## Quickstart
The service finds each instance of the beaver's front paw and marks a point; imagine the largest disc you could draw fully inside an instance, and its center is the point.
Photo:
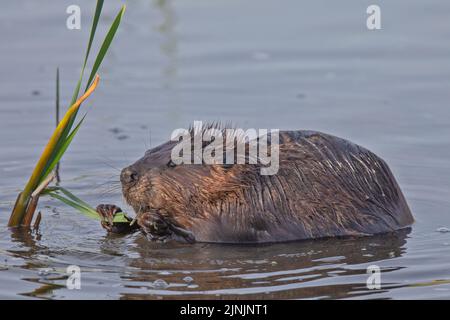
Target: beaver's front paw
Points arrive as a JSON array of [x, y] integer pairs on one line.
[[156, 228], [107, 213], [159, 228]]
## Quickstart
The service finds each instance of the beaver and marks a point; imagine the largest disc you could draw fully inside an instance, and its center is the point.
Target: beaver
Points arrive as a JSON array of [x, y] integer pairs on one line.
[[325, 187]]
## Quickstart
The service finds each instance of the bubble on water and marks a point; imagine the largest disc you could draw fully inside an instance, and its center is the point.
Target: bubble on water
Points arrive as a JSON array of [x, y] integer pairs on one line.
[[164, 273], [160, 284], [44, 272], [192, 286], [443, 230], [188, 279]]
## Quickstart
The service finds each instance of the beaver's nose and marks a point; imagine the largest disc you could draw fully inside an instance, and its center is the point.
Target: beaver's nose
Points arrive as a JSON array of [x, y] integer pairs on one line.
[[128, 176]]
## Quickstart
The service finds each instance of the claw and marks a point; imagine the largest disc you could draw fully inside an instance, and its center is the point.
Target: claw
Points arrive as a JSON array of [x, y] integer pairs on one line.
[[153, 224], [107, 213], [159, 228]]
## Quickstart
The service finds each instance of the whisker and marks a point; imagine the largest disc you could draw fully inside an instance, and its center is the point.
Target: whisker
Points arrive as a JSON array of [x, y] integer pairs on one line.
[[108, 183], [108, 164], [108, 191], [150, 138], [108, 186]]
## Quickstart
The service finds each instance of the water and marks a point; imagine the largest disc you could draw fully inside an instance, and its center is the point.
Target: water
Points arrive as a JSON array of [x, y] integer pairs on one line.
[[264, 64]]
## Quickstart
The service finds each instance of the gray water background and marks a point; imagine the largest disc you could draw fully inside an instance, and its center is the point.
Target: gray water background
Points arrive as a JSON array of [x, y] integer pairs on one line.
[[258, 63]]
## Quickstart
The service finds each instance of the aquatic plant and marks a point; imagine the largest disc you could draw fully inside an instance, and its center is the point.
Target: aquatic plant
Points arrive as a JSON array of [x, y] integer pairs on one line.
[[70, 199], [43, 173]]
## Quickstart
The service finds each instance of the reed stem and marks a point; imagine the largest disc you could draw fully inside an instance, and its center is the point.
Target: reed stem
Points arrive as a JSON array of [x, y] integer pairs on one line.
[[38, 174], [57, 105]]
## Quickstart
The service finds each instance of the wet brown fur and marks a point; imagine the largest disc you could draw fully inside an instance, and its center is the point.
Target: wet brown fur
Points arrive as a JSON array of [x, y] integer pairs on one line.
[[325, 187]]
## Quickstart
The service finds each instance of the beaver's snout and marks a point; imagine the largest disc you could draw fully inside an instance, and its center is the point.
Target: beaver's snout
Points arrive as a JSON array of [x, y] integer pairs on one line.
[[137, 187], [129, 176]]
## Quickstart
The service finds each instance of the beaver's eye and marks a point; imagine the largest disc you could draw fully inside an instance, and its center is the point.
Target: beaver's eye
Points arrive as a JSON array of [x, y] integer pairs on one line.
[[171, 164]]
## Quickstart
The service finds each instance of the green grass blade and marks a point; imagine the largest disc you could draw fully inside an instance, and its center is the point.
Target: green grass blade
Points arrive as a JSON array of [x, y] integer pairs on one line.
[[61, 149], [57, 106], [57, 111], [87, 212], [64, 136], [67, 136], [78, 204], [39, 170], [71, 196], [100, 56], [105, 45], [98, 11]]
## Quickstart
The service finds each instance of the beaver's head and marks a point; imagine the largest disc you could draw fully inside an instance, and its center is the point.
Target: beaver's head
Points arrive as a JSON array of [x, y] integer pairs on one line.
[[154, 183]]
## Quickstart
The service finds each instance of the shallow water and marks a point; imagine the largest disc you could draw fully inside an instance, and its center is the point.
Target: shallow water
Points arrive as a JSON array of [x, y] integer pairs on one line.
[[263, 64]]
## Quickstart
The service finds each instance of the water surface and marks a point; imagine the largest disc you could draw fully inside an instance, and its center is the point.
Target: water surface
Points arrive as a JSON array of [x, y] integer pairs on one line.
[[258, 63]]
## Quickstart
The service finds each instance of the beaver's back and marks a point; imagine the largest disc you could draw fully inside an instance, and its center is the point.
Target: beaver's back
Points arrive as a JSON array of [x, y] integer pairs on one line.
[[326, 186], [335, 188]]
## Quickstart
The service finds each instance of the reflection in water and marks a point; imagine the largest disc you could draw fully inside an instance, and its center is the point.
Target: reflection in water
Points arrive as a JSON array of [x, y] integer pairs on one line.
[[290, 270], [205, 62], [329, 268], [26, 244], [169, 45], [27, 247], [169, 49]]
